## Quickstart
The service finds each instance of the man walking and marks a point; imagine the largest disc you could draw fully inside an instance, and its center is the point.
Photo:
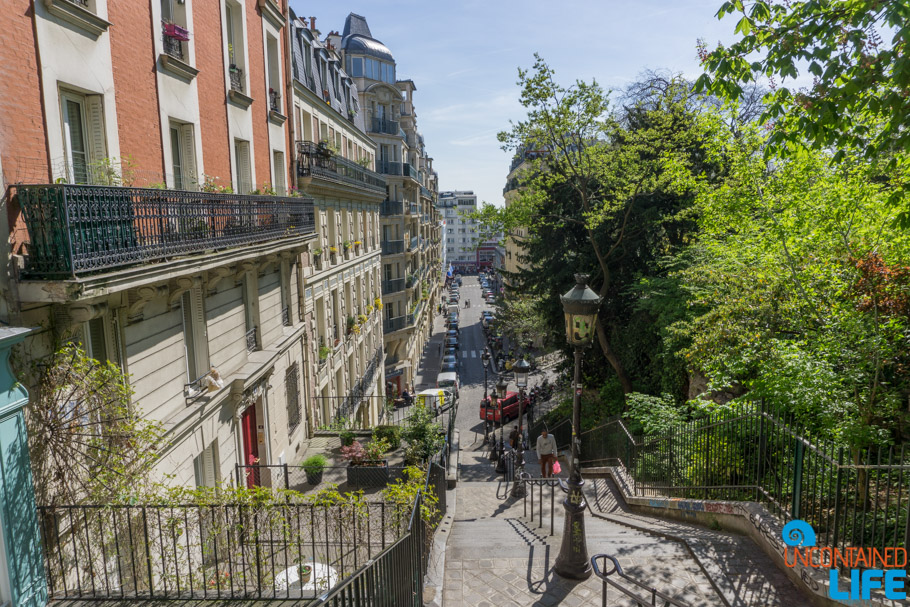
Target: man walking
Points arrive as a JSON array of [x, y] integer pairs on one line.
[[546, 453]]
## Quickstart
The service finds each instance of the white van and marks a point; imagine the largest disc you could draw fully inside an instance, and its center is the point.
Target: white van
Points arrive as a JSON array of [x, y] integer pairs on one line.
[[448, 380]]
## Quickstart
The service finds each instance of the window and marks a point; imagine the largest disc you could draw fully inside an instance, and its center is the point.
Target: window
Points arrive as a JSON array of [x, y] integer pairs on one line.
[[236, 48], [183, 156], [195, 336], [278, 167], [292, 394], [285, 284], [102, 339], [243, 176], [355, 67], [83, 134], [206, 466]]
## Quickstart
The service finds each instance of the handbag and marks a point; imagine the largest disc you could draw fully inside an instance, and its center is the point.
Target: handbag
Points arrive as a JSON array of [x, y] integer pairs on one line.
[[556, 468]]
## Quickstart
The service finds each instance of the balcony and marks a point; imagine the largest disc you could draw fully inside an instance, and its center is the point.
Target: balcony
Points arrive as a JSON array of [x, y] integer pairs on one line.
[[391, 207], [173, 46], [392, 247], [410, 171], [236, 76], [414, 316], [274, 101], [412, 245], [317, 161], [389, 168], [80, 229], [414, 208], [393, 286], [252, 343], [394, 324], [426, 193], [385, 127]]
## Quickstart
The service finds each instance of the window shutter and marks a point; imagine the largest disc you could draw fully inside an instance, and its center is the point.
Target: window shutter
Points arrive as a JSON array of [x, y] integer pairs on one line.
[[208, 466], [188, 145], [116, 354], [186, 306], [95, 112], [200, 333], [97, 345], [243, 171]]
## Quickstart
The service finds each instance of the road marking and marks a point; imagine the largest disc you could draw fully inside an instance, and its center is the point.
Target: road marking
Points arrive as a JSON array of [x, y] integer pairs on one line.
[[473, 353], [464, 354]]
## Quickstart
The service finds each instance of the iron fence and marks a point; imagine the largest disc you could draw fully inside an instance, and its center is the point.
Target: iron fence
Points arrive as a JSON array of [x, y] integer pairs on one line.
[[382, 125], [217, 551], [173, 47], [609, 571], [274, 101], [252, 343], [78, 229], [236, 77], [858, 497], [314, 160], [295, 477]]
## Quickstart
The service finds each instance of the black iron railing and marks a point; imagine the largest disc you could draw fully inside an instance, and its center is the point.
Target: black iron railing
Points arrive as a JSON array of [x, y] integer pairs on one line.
[[392, 207], [747, 453], [409, 171], [393, 286], [252, 344], [387, 167], [173, 47], [314, 160], [82, 3], [609, 571], [394, 324], [381, 125], [392, 247], [274, 100], [79, 229], [236, 77]]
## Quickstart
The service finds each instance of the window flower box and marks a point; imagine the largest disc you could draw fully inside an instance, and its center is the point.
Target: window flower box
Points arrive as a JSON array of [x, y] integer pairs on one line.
[[172, 30]]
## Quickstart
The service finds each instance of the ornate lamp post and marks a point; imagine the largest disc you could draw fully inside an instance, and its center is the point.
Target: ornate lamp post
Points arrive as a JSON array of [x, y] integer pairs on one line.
[[522, 369], [580, 306], [502, 387], [491, 404]]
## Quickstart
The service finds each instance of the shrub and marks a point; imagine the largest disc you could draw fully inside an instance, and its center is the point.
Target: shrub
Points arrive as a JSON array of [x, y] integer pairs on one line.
[[347, 437], [315, 464], [390, 434]]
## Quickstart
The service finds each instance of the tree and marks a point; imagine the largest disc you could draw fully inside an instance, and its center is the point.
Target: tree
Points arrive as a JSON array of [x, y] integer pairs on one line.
[[860, 95], [87, 443], [595, 198]]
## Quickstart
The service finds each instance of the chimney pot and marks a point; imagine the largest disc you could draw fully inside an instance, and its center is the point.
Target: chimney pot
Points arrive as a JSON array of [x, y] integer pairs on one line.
[[312, 23]]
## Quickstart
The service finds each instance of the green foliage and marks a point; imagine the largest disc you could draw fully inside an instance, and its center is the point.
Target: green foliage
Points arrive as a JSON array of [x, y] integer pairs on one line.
[[390, 434], [347, 437], [314, 464], [87, 443], [403, 494], [423, 435], [655, 414]]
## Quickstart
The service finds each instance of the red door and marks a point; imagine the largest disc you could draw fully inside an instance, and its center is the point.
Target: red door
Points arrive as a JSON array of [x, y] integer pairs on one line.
[[250, 445]]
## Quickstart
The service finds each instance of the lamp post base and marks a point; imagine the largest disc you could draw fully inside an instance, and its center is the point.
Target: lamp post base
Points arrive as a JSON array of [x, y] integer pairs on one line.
[[573, 562]]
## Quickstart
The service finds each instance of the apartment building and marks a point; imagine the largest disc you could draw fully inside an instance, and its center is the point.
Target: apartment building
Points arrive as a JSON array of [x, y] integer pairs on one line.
[[145, 163], [518, 169], [468, 247], [409, 223], [335, 165]]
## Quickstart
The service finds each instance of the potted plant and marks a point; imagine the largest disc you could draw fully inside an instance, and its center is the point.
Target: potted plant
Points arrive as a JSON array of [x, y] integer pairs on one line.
[[324, 352], [305, 572], [350, 324], [333, 250], [369, 309], [313, 466], [346, 244], [347, 438], [378, 303], [366, 467]]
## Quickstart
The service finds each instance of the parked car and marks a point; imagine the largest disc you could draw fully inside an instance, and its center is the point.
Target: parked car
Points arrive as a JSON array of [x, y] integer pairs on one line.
[[452, 333], [449, 359], [451, 342], [448, 368], [509, 408], [448, 380]]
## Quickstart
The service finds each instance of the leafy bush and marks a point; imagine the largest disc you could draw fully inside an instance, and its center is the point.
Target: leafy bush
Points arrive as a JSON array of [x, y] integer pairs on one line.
[[347, 437], [315, 464], [422, 434], [391, 434]]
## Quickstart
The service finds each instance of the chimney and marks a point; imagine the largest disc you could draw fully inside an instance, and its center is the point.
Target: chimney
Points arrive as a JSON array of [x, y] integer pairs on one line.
[[313, 23]]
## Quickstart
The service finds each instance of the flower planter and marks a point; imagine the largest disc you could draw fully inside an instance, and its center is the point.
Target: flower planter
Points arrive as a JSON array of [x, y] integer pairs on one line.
[[313, 478], [172, 30], [305, 572], [375, 474]]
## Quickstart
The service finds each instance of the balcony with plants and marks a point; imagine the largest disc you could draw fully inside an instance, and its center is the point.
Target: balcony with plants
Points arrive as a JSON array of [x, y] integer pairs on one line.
[[319, 162], [80, 230]]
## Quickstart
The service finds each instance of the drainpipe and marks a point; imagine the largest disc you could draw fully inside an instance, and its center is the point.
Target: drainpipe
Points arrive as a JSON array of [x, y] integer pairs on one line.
[[289, 92]]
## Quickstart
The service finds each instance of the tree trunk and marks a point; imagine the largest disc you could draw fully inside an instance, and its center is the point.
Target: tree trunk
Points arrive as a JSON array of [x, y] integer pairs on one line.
[[624, 380]]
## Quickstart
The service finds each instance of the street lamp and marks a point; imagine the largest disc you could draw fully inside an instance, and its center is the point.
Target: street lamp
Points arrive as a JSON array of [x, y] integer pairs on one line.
[[501, 386], [580, 306], [521, 369], [485, 357], [491, 404]]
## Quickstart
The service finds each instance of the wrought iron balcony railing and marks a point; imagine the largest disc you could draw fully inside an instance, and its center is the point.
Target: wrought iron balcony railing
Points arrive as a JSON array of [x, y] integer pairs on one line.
[[391, 207], [286, 316], [394, 324], [384, 126], [410, 171], [392, 247], [389, 168], [173, 47], [393, 286], [426, 193], [414, 208], [314, 160], [412, 245], [274, 100], [236, 76], [80, 229], [252, 344]]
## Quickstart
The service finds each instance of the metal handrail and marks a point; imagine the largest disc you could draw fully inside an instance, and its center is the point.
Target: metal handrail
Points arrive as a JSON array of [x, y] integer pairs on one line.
[[616, 570], [315, 160]]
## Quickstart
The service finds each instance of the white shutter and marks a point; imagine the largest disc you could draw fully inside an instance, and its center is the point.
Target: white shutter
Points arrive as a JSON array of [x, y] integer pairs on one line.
[[244, 175], [188, 151], [186, 306], [200, 332], [95, 119]]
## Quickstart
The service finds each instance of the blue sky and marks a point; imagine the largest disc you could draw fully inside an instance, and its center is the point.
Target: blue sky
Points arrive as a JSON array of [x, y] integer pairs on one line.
[[463, 56]]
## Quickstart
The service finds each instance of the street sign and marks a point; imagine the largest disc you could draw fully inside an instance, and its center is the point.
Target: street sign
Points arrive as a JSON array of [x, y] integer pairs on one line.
[[578, 391]]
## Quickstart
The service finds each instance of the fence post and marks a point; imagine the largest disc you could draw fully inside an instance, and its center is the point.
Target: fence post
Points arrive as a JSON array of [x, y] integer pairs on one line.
[[837, 490], [287, 483], [797, 479]]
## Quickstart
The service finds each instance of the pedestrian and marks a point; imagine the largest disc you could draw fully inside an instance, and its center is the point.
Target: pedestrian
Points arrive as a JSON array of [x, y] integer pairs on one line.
[[513, 437], [546, 453]]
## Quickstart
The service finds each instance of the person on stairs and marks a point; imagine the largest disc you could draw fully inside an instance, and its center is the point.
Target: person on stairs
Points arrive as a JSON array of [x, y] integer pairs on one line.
[[546, 453]]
